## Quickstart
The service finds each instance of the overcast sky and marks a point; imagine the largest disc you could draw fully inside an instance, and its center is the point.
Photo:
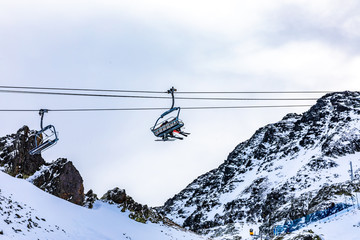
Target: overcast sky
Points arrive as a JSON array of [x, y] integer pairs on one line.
[[153, 45]]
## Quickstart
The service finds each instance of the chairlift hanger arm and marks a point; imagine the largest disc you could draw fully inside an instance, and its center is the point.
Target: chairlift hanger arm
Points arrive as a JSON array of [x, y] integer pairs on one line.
[[172, 90], [169, 111], [41, 113]]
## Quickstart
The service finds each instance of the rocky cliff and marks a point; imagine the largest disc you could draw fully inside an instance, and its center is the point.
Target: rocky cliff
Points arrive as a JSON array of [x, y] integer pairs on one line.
[[284, 171], [14, 154], [59, 178]]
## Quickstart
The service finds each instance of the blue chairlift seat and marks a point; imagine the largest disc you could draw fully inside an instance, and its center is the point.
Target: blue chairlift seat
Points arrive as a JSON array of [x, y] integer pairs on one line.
[[44, 139], [166, 127]]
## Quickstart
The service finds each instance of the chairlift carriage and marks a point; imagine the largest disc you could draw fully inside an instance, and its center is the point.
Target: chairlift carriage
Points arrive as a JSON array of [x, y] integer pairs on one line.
[[45, 138], [169, 128]]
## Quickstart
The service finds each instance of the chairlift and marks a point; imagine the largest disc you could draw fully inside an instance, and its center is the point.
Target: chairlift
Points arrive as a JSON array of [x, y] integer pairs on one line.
[[45, 138], [169, 129]]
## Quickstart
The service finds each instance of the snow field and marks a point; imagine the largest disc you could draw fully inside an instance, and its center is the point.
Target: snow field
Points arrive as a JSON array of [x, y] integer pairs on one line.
[[57, 219]]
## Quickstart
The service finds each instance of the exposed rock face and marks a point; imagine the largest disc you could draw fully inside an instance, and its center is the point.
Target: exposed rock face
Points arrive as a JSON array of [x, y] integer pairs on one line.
[[59, 178], [115, 195], [309, 235], [14, 154], [90, 198], [284, 171], [138, 212]]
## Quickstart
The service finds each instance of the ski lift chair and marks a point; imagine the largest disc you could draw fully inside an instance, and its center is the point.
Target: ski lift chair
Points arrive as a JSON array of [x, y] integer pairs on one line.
[[45, 138], [165, 129]]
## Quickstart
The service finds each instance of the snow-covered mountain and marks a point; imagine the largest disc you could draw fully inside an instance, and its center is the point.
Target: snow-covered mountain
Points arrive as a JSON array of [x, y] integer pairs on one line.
[[285, 171], [27, 212]]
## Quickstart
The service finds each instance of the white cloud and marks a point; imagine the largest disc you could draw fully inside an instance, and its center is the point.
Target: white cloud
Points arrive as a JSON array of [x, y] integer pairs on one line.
[[352, 27], [305, 64]]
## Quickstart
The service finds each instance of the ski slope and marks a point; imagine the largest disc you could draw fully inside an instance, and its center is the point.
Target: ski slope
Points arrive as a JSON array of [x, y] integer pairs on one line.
[[345, 225], [27, 212]]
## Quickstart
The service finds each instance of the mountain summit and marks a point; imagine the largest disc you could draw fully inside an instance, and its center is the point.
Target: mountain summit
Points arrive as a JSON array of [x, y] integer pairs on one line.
[[286, 170]]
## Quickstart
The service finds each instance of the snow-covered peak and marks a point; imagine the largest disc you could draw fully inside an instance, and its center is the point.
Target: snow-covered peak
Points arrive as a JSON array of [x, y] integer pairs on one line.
[[280, 173]]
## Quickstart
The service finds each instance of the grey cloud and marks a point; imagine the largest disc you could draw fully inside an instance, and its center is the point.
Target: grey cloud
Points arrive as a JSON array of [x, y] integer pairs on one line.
[[295, 23]]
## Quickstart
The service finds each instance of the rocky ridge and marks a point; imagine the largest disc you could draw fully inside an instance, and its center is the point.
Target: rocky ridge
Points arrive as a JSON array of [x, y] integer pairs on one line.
[[62, 179], [286, 170], [59, 178], [138, 212]]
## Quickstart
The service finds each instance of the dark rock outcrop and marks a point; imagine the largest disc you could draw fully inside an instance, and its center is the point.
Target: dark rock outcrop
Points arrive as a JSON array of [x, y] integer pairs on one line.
[[59, 178], [14, 154], [90, 198], [116, 195], [309, 235], [138, 212]]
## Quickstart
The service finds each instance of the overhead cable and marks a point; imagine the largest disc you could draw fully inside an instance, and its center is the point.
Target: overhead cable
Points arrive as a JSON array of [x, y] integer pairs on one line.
[[155, 97], [147, 91], [149, 109], [255, 92], [82, 89]]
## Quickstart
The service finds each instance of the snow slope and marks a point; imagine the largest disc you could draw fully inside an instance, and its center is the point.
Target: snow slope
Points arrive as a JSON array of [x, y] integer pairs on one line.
[[345, 226], [27, 212]]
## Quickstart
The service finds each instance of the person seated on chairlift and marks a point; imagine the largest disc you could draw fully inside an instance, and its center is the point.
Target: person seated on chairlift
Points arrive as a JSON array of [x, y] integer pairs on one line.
[[163, 124], [179, 131], [39, 139]]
